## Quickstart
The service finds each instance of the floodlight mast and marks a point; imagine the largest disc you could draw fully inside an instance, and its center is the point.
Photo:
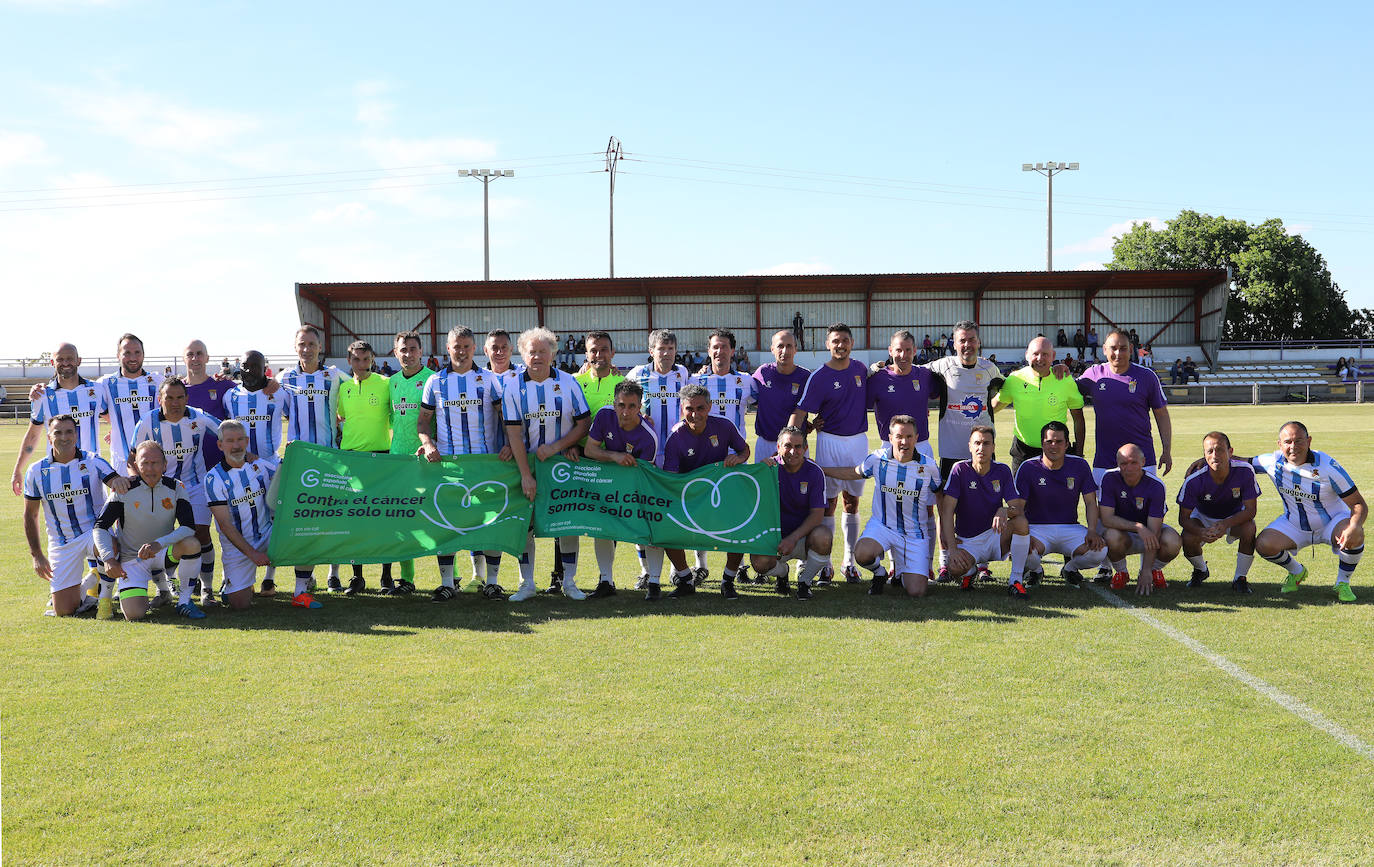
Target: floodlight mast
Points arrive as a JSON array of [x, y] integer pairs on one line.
[[1049, 170], [486, 176], [614, 154]]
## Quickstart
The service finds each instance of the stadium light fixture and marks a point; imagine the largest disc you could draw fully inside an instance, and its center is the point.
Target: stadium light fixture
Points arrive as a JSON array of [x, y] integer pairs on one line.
[[486, 176], [1049, 170]]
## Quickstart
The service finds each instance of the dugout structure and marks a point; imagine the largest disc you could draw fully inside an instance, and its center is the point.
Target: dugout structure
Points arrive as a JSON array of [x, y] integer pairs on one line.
[[1167, 308]]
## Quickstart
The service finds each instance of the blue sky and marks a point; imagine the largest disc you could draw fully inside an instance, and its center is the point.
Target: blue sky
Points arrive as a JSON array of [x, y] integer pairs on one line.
[[193, 160]]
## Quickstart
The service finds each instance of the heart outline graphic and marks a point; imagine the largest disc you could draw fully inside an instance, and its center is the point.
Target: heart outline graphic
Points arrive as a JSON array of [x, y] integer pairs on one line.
[[465, 503], [718, 535]]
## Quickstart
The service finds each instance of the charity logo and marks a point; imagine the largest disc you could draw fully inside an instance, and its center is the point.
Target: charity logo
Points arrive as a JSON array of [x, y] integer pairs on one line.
[[561, 473], [310, 478], [740, 490], [460, 508]]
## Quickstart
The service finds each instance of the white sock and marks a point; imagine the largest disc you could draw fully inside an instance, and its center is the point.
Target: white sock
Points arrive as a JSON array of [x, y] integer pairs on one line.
[[479, 563], [107, 585], [270, 574], [605, 558], [828, 522], [701, 559], [1033, 561], [1020, 550], [89, 582], [303, 577], [944, 558], [780, 570], [188, 568], [493, 559], [851, 536], [334, 571], [814, 564], [653, 563], [570, 545], [163, 583], [527, 563], [1119, 565], [1243, 562]]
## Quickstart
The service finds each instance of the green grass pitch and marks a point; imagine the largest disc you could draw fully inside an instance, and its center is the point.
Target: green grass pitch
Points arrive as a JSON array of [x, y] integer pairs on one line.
[[962, 728]]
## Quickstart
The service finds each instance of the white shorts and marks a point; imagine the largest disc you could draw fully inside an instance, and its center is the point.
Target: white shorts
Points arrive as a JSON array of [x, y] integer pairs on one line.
[[1205, 521], [68, 561], [1060, 538], [764, 449], [239, 572], [1323, 535], [200, 506], [137, 573], [910, 554], [838, 451], [1100, 472], [986, 547]]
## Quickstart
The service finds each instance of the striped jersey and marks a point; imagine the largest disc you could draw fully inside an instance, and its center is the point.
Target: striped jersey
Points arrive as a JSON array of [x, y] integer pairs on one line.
[[70, 493], [503, 380], [244, 490], [261, 414], [545, 410], [731, 395], [309, 402], [662, 406], [127, 399], [467, 410], [901, 491], [180, 441], [1312, 492], [85, 403]]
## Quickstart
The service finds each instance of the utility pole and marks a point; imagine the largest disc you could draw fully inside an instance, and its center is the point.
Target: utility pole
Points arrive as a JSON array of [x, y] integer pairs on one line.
[[1049, 170], [486, 176], [614, 154]]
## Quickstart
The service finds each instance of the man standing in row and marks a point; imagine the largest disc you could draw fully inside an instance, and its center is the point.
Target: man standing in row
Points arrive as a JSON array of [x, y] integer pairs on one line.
[[364, 409], [1040, 397], [662, 379], [778, 387], [406, 388]]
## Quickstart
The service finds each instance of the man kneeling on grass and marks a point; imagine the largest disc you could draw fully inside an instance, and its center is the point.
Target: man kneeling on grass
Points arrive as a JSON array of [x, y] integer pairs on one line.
[[801, 496], [905, 483], [982, 516], [1131, 507], [137, 526]]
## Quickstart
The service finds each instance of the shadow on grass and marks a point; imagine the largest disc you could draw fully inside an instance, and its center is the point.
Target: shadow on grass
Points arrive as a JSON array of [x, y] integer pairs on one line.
[[386, 616]]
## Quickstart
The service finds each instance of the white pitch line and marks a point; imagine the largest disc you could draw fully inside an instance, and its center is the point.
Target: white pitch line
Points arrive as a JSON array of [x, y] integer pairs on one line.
[[1289, 703]]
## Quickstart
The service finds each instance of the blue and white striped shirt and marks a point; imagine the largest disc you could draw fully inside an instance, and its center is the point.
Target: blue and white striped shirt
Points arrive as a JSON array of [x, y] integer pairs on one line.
[[901, 491], [71, 493], [127, 399], [261, 414], [244, 490], [467, 410], [85, 403], [731, 396], [180, 441], [309, 403], [662, 406], [545, 410], [1312, 492]]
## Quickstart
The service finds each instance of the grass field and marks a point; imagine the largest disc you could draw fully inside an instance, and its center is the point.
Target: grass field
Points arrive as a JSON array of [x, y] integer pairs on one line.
[[962, 728]]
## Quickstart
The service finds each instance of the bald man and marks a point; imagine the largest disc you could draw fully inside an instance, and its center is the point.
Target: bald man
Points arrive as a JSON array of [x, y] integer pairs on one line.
[[1040, 397], [67, 393], [1131, 507]]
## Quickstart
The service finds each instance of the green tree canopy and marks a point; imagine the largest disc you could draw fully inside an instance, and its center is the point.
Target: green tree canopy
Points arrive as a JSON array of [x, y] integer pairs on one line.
[[1282, 287]]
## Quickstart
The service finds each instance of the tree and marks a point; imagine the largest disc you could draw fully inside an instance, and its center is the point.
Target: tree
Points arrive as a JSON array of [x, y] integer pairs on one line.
[[1282, 287]]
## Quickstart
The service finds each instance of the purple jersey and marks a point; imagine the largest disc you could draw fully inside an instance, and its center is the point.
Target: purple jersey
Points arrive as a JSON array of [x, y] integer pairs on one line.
[[686, 451], [1052, 495], [978, 497], [839, 397], [1121, 409], [209, 397], [775, 398], [1139, 502], [639, 442], [1219, 499], [891, 393], [799, 493]]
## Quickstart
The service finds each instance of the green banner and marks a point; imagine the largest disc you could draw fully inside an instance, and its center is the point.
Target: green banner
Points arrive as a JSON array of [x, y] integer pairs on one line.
[[713, 508], [358, 507]]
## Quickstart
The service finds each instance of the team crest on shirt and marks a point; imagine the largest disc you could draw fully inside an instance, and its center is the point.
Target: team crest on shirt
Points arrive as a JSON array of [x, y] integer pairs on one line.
[[629, 448], [997, 486], [150, 379], [767, 383], [1140, 502], [166, 502], [82, 468], [195, 425], [796, 387], [916, 384], [803, 486], [858, 380], [1071, 482], [715, 441], [1130, 386], [214, 394], [1235, 493], [557, 389], [90, 392]]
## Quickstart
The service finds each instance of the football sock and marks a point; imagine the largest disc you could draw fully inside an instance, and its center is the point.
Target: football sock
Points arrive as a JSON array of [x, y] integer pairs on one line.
[[162, 581], [188, 568], [653, 563], [527, 563], [876, 567], [479, 564], [408, 571], [1033, 562], [569, 545], [270, 574], [1120, 565], [1020, 550], [446, 569], [1243, 562], [107, 585], [605, 558], [728, 575], [334, 571], [701, 559], [207, 568], [386, 571], [814, 564], [851, 536], [1200, 562], [493, 559], [303, 581], [1349, 560], [1287, 561]]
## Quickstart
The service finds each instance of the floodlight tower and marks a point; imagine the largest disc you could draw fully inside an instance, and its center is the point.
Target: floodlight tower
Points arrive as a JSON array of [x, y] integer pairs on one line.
[[614, 154], [486, 176], [1049, 170]]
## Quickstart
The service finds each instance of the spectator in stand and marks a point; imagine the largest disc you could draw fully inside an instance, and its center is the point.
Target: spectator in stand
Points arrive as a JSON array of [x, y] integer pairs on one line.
[[1061, 339], [1079, 342], [1135, 340], [1147, 356], [742, 361], [1176, 376], [949, 345], [1092, 342], [1190, 371], [797, 323]]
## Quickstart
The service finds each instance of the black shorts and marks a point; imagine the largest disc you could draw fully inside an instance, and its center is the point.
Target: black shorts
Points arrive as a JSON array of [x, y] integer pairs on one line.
[[1020, 453]]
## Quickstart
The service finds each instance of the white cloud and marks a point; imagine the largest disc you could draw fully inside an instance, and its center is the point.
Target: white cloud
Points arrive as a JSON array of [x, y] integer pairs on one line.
[[1088, 266], [22, 148], [394, 152], [793, 268], [149, 120], [373, 111], [1102, 243], [1297, 228]]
